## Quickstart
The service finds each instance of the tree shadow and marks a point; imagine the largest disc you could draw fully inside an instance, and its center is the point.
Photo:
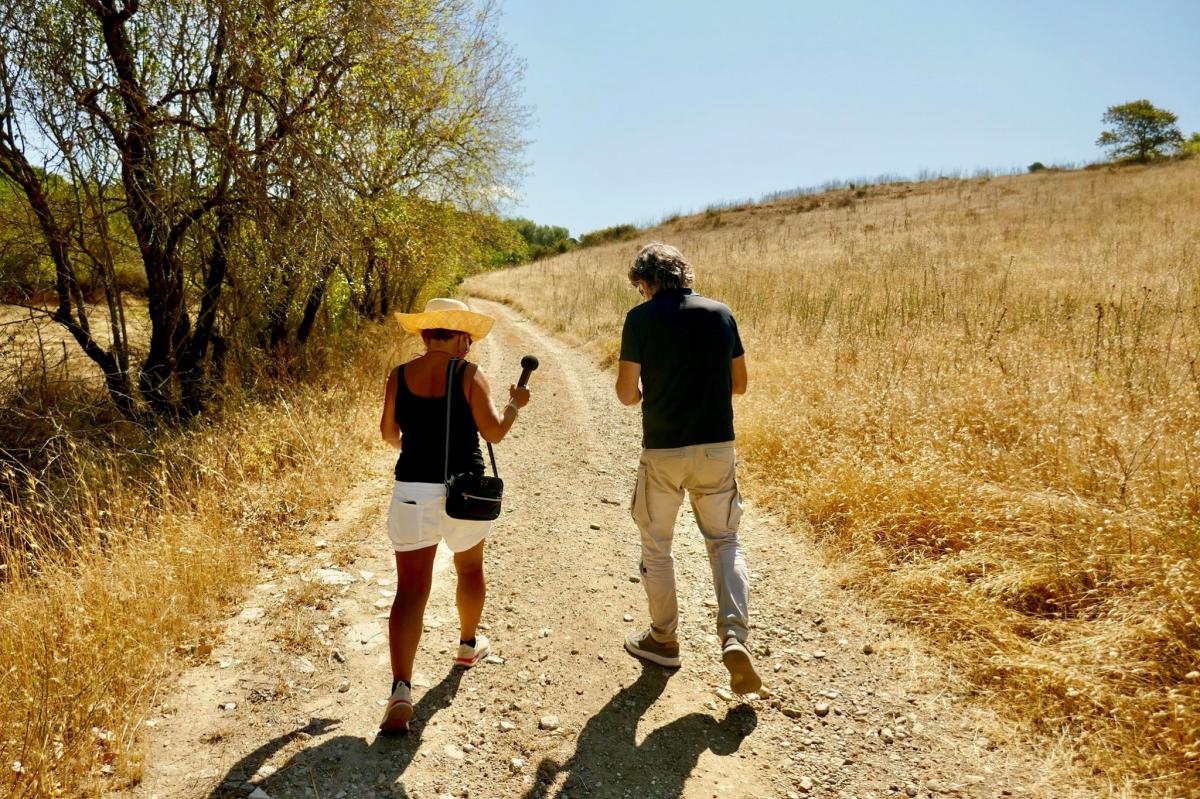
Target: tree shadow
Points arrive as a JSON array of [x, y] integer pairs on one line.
[[608, 761], [340, 763]]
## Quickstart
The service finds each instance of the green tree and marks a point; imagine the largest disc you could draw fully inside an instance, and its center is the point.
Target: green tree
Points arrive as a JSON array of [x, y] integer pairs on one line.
[[541, 241], [256, 157], [1192, 145], [1140, 131], [534, 233]]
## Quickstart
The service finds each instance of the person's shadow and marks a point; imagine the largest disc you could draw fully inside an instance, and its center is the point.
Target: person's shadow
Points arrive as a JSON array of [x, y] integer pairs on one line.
[[340, 762], [609, 762]]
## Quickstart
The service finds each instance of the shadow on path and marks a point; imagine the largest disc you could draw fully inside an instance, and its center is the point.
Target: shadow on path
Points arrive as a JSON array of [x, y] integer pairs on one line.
[[342, 763], [608, 761]]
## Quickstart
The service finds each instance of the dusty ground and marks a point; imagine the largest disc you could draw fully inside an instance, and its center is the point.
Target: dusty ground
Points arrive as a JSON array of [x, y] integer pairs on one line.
[[34, 348], [288, 702]]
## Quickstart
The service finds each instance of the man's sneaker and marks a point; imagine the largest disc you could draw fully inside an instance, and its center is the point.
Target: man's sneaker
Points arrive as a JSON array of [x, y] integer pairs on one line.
[[743, 679], [468, 655], [644, 646], [399, 710]]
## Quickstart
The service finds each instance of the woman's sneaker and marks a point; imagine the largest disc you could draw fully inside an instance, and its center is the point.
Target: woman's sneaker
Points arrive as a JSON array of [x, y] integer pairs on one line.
[[743, 679], [399, 710], [644, 646], [469, 655]]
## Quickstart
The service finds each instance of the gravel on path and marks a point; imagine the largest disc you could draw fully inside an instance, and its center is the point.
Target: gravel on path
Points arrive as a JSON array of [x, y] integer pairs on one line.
[[289, 703]]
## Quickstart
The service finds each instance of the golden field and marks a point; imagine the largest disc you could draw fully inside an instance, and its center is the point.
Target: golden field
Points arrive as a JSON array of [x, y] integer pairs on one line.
[[982, 397], [115, 570]]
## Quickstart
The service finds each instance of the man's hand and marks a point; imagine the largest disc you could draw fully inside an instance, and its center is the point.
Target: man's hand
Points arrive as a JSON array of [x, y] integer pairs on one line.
[[629, 376]]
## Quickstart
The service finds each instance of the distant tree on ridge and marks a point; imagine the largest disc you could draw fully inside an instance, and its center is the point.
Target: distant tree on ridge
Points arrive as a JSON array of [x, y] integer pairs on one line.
[[1140, 131]]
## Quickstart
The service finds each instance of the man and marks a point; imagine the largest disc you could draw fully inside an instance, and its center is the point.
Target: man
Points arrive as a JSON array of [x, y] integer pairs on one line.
[[682, 358]]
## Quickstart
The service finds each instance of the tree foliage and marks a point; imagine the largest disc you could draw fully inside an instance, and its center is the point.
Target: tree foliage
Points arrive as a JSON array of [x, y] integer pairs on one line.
[[541, 241], [543, 235], [1140, 131], [254, 158]]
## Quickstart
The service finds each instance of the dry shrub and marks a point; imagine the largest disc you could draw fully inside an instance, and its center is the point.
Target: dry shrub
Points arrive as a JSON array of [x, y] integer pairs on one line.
[[116, 559], [983, 397]]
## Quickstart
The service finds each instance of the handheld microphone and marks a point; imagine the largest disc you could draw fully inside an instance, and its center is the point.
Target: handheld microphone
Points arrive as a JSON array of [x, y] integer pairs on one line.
[[528, 364]]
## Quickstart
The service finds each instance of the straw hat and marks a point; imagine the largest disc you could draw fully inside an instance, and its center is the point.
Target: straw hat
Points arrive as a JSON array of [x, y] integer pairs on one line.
[[448, 314]]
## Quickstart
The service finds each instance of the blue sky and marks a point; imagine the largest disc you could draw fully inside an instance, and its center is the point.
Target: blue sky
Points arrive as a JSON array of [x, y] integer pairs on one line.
[[643, 109]]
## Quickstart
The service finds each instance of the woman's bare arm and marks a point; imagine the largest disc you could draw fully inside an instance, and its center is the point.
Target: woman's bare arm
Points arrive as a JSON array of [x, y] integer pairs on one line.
[[493, 426], [388, 429]]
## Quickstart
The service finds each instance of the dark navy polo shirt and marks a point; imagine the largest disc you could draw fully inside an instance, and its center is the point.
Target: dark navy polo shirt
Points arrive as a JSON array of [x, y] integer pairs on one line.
[[685, 344]]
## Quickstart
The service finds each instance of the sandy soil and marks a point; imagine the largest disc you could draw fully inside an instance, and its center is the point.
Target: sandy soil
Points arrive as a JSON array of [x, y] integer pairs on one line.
[[32, 344], [288, 703]]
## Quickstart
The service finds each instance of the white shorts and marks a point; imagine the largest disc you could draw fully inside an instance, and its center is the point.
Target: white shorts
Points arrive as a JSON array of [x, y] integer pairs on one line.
[[417, 519]]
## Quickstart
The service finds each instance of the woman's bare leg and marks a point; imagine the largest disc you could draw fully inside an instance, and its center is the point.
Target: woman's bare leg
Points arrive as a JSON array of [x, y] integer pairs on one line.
[[471, 589], [414, 573]]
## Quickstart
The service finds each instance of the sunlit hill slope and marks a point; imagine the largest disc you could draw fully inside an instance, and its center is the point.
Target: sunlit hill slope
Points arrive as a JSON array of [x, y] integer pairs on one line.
[[983, 397]]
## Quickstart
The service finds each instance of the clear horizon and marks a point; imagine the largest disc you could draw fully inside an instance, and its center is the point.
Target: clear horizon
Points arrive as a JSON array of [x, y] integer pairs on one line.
[[641, 111]]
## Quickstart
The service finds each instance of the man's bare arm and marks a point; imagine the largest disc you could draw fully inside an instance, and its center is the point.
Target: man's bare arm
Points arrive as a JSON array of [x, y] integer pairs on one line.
[[740, 377], [629, 375]]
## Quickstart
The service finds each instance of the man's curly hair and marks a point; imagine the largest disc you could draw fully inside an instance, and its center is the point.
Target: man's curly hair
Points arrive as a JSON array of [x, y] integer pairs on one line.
[[662, 267]]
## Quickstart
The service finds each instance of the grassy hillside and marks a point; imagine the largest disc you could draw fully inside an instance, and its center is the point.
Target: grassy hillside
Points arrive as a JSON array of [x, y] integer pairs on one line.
[[119, 555], [983, 396]]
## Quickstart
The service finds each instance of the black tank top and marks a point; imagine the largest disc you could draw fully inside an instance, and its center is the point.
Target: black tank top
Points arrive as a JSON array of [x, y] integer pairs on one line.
[[422, 423]]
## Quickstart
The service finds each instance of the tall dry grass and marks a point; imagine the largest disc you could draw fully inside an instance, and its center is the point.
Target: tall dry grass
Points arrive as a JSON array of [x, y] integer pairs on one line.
[[983, 396], [116, 561]]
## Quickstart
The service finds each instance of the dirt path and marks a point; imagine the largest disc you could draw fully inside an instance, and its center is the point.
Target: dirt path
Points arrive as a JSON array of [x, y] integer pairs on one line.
[[288, 702]]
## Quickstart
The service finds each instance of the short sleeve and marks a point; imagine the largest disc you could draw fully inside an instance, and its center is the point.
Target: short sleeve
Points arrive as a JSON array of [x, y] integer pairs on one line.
[[631, 346], [738, 349]]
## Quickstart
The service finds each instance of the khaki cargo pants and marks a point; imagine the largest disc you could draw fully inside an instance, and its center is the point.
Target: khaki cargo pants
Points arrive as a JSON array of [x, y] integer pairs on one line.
[[707, 472]]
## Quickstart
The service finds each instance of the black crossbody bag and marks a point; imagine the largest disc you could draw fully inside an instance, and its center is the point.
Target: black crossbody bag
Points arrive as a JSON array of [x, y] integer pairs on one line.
[[468, 495]]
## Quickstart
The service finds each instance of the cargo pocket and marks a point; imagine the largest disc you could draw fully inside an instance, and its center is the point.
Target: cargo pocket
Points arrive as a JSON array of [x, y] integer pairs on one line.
[[639, 509], [735, 509], [404, 522]]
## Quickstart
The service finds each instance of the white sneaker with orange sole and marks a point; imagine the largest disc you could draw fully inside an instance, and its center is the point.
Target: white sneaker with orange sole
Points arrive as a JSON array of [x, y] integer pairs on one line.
[[468, 656], [399, 710]]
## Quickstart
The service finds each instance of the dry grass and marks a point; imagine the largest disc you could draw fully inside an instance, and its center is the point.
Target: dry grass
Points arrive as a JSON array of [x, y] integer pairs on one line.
[[984, 396], [118, 565], [38, 356]]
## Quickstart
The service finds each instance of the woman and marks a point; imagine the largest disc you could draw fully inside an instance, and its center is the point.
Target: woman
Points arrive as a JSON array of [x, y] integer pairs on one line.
[[414, 421]]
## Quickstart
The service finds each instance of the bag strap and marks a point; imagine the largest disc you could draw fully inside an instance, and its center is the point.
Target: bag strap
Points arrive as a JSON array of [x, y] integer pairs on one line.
[[450, 370], [449, 381]]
